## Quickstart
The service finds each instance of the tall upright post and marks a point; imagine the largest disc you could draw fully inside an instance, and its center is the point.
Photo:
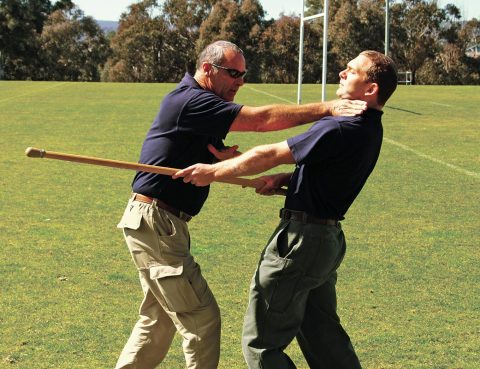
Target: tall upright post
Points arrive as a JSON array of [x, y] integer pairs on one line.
[[387, 27], [300, 56], [325, 50], [303, 19], [1, 65]]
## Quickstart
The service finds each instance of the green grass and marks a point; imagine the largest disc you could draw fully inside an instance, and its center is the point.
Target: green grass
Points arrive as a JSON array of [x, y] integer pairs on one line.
[[408, 288]]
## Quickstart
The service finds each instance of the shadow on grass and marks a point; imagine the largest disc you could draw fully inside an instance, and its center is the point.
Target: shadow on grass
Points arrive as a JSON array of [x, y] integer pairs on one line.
[[404, 110]]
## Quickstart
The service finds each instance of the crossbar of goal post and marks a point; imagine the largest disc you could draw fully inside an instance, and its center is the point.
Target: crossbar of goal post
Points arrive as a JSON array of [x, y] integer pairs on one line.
[[304, 19]]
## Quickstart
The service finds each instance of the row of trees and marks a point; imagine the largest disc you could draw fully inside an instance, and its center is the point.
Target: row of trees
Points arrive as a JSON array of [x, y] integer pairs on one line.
[[44, 41], [158, 41]]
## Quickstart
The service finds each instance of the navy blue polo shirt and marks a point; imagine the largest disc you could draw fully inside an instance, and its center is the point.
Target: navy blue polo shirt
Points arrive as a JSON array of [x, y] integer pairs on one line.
[[189, 119], [334, 159]]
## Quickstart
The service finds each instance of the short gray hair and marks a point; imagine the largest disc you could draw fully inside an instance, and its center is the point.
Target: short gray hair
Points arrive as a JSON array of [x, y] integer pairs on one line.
[[214, 53]]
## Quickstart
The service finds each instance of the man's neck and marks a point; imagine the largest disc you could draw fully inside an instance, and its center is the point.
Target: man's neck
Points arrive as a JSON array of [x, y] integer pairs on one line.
[[374, 105], [200, 80]]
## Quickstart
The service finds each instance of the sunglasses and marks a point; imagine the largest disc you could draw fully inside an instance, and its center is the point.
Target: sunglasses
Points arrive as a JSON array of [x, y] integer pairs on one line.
[[232, 72]]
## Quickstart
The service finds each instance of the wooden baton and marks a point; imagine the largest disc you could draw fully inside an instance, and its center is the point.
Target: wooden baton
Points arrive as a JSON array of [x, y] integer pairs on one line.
[[33, 152]]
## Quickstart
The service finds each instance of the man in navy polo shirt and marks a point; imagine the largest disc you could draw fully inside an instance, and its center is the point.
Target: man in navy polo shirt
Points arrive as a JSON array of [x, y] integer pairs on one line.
[[293, 291], [189, 128]]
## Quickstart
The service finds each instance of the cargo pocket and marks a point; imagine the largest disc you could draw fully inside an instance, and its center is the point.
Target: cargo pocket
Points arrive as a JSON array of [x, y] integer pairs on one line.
[[278, 286], [132, 217], [176, 289]]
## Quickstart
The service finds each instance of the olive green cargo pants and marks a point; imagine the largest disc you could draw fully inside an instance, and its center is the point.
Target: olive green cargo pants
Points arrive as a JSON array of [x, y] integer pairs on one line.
[[293, 295]]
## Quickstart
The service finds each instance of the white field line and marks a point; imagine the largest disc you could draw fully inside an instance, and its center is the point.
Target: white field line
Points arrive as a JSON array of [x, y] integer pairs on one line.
[[266, 93], [431, 158], [32, 93], [400, 145]]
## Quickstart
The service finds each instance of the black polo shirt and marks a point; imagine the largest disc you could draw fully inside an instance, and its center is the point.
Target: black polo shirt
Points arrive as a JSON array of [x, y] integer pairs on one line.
[[334, 159], [189, 119]]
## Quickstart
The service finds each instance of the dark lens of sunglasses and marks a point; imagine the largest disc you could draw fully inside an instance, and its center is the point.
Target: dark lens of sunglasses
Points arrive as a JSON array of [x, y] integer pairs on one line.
[[235, 73], [231, 72]]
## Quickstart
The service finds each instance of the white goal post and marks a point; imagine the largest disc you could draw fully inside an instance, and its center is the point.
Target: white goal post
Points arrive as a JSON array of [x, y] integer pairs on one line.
[[304, 19]]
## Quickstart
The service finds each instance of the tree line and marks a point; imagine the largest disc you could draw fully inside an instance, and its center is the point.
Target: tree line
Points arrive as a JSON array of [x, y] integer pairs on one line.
[[159, 41]]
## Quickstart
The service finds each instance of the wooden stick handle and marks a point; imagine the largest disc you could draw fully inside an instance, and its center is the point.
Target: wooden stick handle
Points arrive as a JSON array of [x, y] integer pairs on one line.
[[33, 152]]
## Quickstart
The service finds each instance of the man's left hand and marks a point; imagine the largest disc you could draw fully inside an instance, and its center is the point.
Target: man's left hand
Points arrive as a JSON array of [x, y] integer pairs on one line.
[[226, 153], [344, 107]]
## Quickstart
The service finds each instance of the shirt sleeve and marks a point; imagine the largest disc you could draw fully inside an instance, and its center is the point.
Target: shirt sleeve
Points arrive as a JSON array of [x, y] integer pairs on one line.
[[208, 114], [321, 142]]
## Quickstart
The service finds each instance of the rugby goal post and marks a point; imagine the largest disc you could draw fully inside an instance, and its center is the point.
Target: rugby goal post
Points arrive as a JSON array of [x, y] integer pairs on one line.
[[304, 19]]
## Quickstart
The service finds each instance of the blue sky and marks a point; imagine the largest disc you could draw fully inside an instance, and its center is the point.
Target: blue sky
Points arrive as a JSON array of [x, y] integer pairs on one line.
[[111, 9]]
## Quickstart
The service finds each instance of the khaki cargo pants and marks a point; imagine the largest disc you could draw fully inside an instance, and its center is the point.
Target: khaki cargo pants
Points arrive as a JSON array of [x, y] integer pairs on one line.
[[176, 296]]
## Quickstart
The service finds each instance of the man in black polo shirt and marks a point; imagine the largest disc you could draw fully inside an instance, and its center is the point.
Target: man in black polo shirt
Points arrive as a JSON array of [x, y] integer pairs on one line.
[[293, 291], [189, 128]]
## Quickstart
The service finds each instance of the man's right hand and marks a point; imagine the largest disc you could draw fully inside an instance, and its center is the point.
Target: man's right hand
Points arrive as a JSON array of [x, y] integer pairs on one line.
[[197, 174], [345, 107], [273, 182]]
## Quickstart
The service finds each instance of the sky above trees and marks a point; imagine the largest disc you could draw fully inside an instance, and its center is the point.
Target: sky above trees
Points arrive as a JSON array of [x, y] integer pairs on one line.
[[111, 10]]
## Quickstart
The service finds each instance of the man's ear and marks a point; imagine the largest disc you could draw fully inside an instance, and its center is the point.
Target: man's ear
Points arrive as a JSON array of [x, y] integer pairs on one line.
[[372, 89], [207, 68]]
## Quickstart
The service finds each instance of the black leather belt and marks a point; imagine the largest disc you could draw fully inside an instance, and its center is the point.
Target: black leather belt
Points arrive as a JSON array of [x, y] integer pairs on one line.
[[148, 200], [305, 218]]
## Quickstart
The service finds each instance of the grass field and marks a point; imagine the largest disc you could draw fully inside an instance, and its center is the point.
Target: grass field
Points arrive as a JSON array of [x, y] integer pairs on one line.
[[408, 288]]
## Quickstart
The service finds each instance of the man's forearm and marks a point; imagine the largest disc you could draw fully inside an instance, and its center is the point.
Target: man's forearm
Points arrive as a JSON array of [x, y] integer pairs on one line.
[[254, 161], [284, 116], [277, 117]]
